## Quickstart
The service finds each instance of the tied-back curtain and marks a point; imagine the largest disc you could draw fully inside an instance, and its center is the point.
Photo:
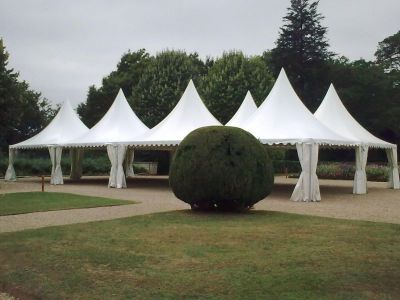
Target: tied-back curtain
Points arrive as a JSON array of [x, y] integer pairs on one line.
[[130, 155], [52, 152], [393, 168], [307, 187], [112, 153], [76, 156], [360, 177], [121, 180], [56, 172], [116, 154], [10, 173]]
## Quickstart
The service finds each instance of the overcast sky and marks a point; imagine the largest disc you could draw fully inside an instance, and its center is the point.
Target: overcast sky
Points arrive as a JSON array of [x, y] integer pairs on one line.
[[62, 47]]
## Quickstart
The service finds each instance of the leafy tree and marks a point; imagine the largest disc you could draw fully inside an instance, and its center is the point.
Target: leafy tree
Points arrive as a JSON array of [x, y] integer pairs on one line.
[[229, 79], [388, 53], [23, 111], [302, 49], [163, 83], [126, 76]]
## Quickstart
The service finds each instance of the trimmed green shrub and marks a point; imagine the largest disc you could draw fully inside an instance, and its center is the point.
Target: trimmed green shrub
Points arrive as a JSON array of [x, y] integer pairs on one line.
[[221, 168]]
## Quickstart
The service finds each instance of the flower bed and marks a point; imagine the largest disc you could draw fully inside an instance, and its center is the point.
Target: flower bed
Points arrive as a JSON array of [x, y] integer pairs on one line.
[[333, 170]]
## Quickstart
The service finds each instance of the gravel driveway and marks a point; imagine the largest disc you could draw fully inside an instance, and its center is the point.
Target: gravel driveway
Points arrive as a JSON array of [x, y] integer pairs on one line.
[[153, 193]]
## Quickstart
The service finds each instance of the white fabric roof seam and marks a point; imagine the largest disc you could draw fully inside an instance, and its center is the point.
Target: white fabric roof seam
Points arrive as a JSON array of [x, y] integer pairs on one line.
[[65, 127]]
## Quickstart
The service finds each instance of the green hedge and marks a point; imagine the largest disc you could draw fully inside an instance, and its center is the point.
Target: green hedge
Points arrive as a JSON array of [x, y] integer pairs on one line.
[[375, 172], [280, 166], [28, 165], [96, 163]]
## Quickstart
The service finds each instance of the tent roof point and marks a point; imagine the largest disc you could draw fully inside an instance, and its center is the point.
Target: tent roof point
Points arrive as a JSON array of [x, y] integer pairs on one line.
[[64, 127]]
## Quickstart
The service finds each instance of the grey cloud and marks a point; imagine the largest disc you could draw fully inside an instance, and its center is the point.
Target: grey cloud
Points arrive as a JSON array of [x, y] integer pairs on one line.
[[62, 47]]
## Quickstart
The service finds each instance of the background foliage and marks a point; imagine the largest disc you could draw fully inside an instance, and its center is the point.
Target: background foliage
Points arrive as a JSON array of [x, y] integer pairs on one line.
[[153, 84], [22, 110]]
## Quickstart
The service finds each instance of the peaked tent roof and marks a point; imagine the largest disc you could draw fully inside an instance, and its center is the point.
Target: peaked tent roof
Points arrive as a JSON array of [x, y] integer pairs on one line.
[[65, 126], [334, 115], [283, 119], [246, 109], [119, 124], [189, 114]]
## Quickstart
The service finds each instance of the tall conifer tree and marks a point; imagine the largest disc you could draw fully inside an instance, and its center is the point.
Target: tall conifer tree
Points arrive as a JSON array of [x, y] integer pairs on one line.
[[22, 111], [302, 48]]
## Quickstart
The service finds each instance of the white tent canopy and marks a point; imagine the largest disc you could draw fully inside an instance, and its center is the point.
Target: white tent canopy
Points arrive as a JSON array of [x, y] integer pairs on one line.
[[189, 114], [246, 109], [334, 115], [65, 126], [120, 124], [283, 119]]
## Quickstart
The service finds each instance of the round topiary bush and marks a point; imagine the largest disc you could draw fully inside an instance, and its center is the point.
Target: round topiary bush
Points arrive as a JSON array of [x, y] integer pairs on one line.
[[221, 168]]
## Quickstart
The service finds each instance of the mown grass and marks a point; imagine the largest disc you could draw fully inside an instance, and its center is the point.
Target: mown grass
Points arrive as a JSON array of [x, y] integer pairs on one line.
[[20, 203], [184, 255]]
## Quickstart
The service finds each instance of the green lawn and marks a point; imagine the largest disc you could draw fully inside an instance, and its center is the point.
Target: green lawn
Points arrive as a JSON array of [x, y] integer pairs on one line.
[[20, 203], [184, 255]]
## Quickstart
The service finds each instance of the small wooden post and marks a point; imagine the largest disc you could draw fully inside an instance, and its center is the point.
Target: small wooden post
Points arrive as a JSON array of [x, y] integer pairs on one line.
[[42, 183], [286, 172]]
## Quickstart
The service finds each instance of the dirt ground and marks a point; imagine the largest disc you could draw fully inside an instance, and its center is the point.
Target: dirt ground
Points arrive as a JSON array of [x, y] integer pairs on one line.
[[380, 204]]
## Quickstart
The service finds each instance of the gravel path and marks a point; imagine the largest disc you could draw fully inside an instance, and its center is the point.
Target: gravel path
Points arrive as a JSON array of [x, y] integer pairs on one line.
[[154, 194]]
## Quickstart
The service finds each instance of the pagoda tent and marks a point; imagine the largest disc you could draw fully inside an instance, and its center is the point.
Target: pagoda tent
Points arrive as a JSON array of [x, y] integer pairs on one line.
[[334, 115], [65, 126], [119, 125], [189, 114], [246, 109], [282, 119]]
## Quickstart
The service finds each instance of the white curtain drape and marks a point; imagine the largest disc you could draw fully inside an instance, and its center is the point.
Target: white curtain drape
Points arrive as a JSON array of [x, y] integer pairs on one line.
[[112, 155], [360, 177], [393, 168], [307, 187], [116, 154], [10, 173], [130, 155], [76, 156], [56, 172]]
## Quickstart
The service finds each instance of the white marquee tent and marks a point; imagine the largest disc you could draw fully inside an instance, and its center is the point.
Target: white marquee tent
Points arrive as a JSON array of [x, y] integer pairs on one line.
[[189, 114], [283, 119], [65, 126], [334, 115], [120, 124], [246, 109]]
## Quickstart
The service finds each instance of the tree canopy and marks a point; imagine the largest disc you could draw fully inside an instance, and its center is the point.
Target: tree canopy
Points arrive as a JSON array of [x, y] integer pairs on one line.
[[126, 76], [228, 80], [163, 83], [23, 111], [388, 53]]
